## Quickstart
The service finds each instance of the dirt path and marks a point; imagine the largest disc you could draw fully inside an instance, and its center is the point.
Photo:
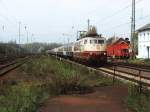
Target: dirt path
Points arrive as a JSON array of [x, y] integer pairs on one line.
[[105, 99]]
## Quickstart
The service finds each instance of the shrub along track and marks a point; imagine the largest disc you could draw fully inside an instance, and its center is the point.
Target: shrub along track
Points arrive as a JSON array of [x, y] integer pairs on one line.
[[99, 101], [104, 99], [127, 73]]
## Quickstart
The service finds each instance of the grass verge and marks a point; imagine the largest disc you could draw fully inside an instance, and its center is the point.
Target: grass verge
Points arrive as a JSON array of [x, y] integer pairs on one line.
[[44, 77], [138, 102], [140, 61]]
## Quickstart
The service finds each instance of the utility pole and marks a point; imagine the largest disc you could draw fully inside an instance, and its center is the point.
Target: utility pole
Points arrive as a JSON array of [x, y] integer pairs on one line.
[[27, 33], [6, 52], [88, 24], [68, 44], [27, 38], [133, 29], [19, 32], [77, 35], [19, 37], [32, 43]]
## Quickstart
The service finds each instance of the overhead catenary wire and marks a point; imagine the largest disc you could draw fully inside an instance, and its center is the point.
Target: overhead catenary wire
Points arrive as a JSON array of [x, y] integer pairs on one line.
[[126, 23], [116, 13]]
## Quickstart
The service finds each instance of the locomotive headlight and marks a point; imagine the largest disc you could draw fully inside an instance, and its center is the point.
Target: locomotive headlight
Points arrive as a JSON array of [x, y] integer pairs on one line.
[[91, 53], [104, 53]]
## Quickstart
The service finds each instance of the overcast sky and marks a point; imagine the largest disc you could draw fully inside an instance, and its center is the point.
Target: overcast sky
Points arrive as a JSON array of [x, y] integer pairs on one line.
[[48, 20]]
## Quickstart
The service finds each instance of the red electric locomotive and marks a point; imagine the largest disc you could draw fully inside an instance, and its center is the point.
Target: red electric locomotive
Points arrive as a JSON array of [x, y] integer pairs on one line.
[[119, 49]]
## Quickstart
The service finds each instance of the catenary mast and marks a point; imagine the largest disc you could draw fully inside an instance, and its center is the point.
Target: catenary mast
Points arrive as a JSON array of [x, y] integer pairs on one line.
[[133, 29]]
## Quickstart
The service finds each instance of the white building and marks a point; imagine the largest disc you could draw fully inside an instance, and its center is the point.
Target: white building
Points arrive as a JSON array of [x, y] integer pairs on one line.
[[144, 42]]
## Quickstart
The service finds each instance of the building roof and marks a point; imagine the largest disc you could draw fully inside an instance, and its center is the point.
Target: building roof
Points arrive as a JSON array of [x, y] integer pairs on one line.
[[146, 27]]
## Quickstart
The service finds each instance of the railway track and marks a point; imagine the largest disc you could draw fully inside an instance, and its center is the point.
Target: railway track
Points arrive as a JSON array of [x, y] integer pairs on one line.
[[4, 69], [138, 76], [13, 64], [129, 65]]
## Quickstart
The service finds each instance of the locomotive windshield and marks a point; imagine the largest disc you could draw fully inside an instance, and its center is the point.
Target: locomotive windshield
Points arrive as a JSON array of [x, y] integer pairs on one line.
[[96, 41], [93, 41], [100, 41]]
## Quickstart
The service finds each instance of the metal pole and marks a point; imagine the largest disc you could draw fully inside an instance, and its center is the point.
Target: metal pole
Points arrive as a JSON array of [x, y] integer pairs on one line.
[[77, 34], [148, 51], [88, 24], [32, 42], [19, 36], [19, 32], [140, 82], [27, 33], [68, 44], [115, 66], [133, 29]]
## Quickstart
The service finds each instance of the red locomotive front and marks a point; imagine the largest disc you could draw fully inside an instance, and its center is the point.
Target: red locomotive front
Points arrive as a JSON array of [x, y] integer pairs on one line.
[[118, 49]]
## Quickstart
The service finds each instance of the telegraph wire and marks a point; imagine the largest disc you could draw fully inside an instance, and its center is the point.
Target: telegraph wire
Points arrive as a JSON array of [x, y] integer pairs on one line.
[[118, 26]]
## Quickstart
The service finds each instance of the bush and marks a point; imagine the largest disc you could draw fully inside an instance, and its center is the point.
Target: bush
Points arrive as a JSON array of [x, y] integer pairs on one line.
[[138, 102], [22, 98], [140, 61], [64, 77], [44, 77]]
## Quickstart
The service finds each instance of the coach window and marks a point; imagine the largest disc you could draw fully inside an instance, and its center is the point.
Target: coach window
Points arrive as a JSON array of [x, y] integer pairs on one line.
[[85, 41]]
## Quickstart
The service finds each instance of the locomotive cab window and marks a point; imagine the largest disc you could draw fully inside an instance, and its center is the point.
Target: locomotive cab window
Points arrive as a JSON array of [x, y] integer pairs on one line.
[[95, 41], [91, 41], [85, 41], [100, 41]]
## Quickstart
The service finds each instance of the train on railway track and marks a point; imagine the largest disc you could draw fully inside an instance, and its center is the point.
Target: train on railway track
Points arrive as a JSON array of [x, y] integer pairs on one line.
[[89, 48], [93, 48]]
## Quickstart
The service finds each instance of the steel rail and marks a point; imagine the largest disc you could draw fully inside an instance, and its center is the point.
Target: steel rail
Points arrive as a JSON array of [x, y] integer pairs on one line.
[[138, 79], [136, 75], [127, 76], [132, 66], [8, 68]]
